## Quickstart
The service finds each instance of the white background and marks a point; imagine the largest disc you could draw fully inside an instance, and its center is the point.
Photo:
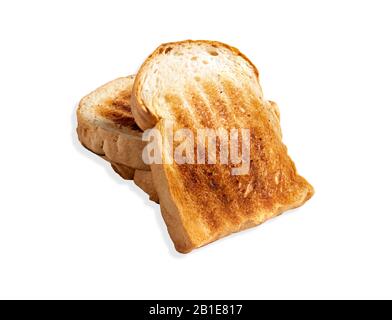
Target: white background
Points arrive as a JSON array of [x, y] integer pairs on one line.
[[71, 228]]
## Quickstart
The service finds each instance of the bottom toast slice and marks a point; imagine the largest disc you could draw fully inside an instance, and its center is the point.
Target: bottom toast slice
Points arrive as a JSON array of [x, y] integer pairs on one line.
[[107, 128]]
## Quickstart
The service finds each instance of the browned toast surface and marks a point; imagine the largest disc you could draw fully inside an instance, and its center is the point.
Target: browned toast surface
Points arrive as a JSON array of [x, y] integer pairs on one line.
[[118, 110], [201, 203], [107, 127]]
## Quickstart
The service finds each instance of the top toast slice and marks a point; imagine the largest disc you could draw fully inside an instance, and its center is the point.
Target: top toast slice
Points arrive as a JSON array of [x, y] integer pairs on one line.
[[107, 127], [205, 84]]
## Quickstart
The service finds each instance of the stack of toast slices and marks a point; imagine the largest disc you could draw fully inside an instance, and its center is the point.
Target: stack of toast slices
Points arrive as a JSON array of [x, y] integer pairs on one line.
[[195, 85]]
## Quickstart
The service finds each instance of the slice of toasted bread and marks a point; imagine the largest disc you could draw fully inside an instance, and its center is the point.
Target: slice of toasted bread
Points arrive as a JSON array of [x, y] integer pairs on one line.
[[107, 128], [106, 125], [198, 84]]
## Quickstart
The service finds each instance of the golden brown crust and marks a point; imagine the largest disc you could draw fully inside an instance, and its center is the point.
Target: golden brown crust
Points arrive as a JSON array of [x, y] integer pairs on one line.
[[127, 173], [171, 215], [143, 179]]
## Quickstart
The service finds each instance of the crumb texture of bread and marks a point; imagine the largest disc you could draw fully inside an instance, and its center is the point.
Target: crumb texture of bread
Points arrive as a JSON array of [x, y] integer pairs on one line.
[[204, 84]]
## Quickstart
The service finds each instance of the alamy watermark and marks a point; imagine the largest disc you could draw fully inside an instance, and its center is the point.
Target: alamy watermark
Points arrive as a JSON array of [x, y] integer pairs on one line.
[[200, 147]]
